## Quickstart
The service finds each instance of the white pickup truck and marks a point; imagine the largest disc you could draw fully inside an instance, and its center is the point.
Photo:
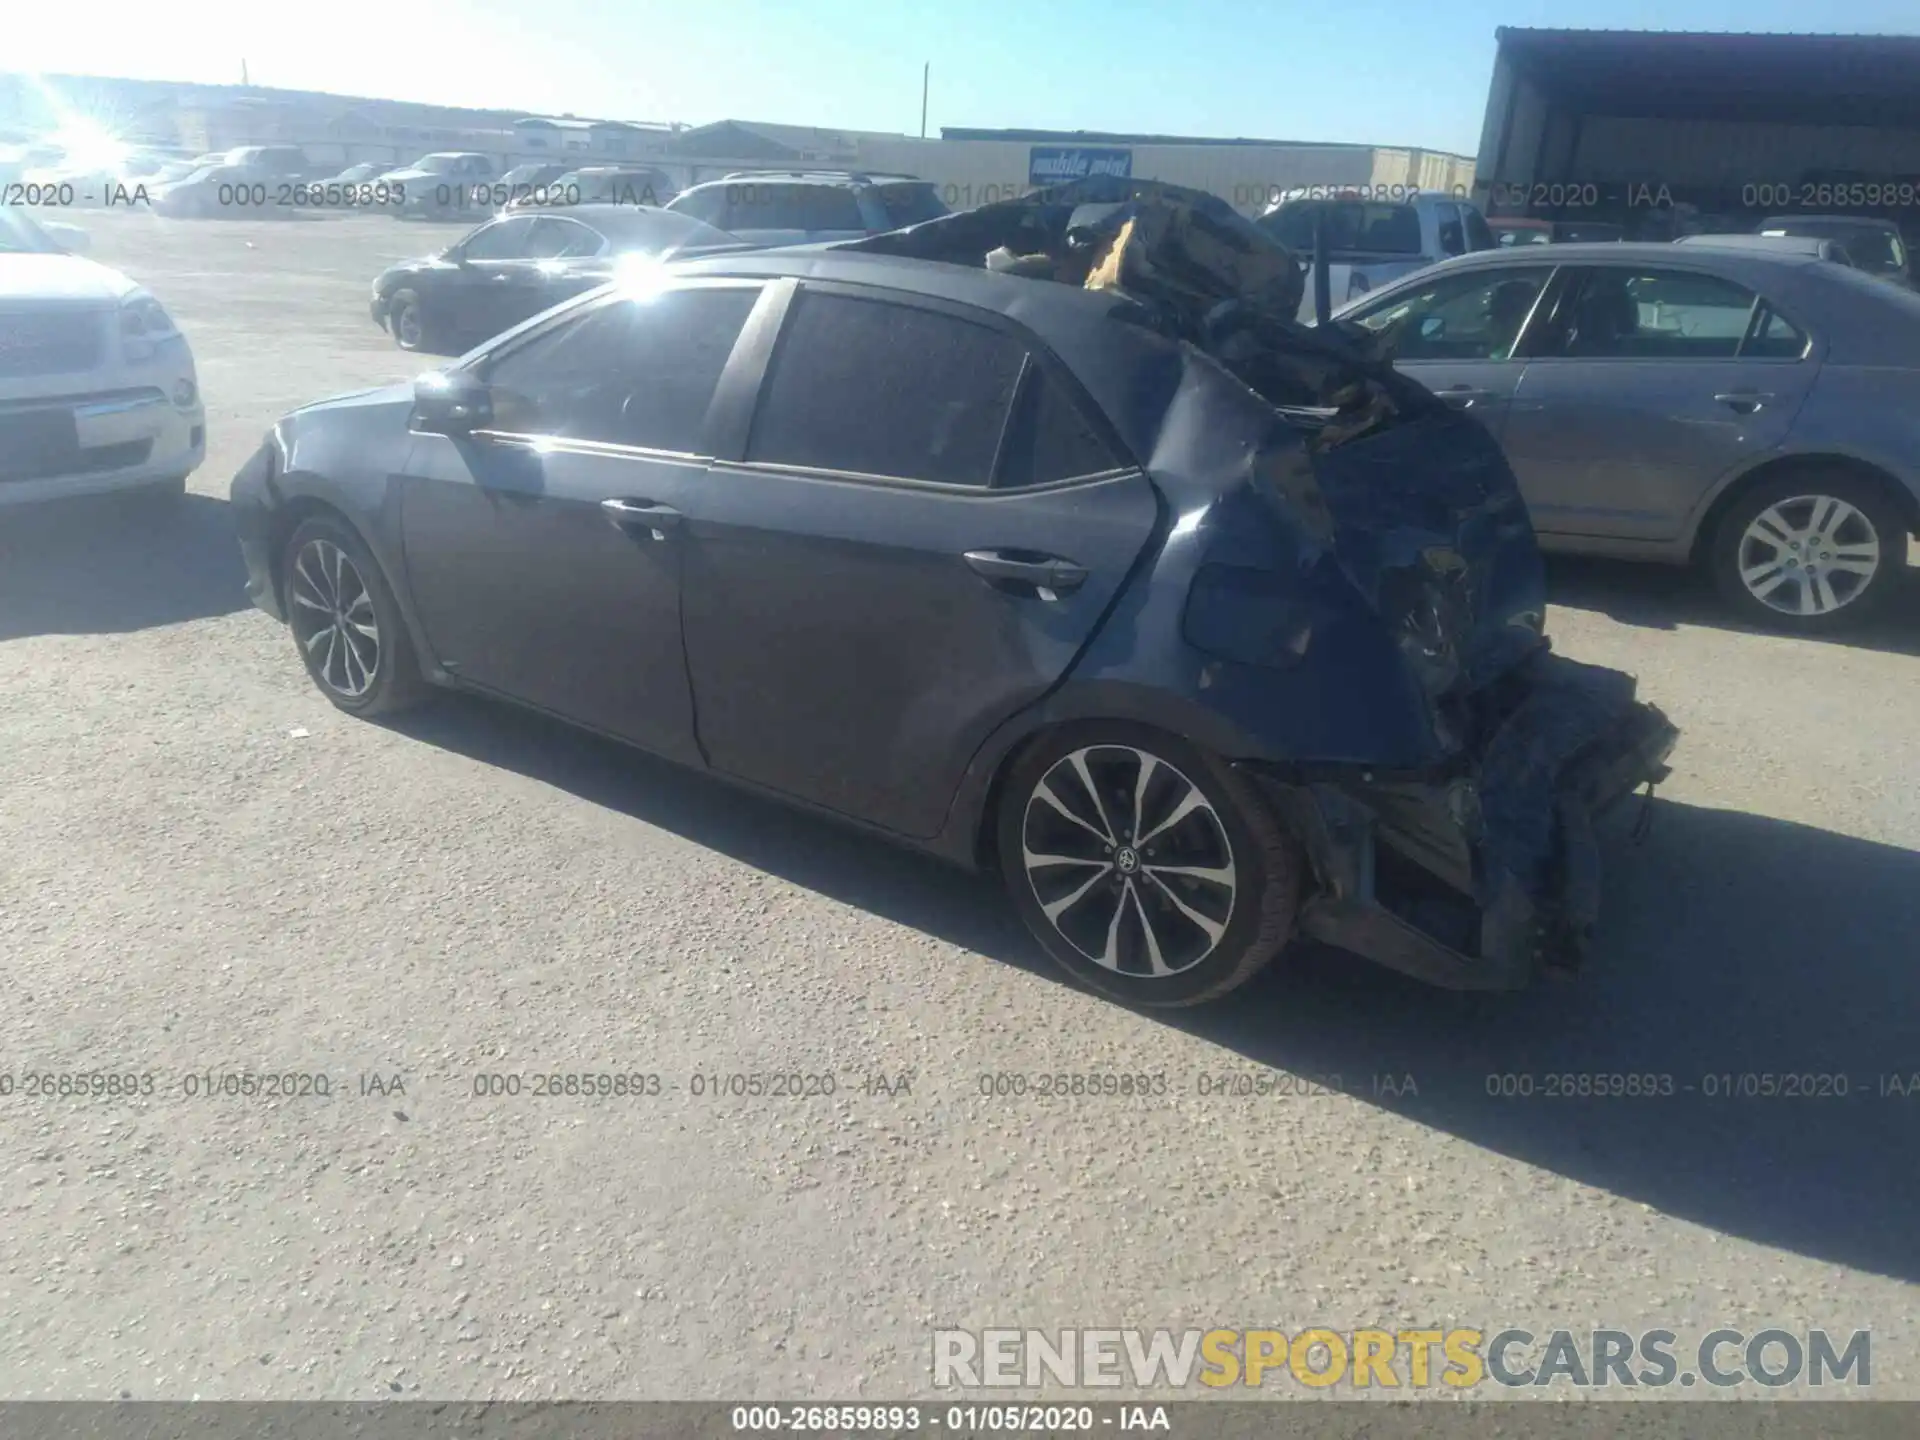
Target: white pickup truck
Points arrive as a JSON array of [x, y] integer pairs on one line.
[[1370, 240]]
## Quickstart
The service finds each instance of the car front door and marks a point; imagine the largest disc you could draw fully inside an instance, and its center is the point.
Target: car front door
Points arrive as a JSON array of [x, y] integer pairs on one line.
[[1649, 384], [874, 578], [541, 552], [485, 291], [1464, 335]]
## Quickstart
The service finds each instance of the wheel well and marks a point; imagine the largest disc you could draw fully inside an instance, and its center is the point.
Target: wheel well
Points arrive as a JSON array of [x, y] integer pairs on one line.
[[1901, 498], [289, 519], [986, 841]]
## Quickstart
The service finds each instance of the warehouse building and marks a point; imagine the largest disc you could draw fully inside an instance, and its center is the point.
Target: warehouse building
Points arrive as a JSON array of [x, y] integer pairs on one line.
[[1669, 132]]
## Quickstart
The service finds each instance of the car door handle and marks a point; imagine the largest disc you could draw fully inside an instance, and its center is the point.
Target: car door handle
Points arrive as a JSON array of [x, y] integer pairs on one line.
[[629, 515], [1049, 575], [1461, 397], [1745, 401]]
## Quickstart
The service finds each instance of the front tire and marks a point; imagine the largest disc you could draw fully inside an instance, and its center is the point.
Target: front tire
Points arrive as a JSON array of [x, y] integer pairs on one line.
[[407, 319], [346, 623], [1811, 552], [1147, 869]]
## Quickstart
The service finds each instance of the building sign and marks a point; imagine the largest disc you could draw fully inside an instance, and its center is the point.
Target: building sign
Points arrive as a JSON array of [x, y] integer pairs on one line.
[[1057, 164]]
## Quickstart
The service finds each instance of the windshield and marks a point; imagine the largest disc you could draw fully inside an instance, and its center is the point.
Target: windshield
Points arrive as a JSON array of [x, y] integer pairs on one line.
[[1353, 226], [19, 235]]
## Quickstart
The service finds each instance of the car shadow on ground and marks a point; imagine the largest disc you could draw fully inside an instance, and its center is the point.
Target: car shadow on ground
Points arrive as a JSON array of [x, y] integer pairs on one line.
[[1665, 597], [1733, 948], [101, 564]]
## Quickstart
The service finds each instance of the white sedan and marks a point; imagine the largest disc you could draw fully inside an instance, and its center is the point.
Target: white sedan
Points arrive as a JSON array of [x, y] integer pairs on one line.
[[97, 385]]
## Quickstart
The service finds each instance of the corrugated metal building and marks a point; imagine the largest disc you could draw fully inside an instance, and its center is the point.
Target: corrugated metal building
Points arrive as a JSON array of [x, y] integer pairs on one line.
[[1644, 127]]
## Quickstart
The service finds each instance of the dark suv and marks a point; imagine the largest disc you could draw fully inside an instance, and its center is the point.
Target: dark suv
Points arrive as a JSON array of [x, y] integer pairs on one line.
[[803, 207]]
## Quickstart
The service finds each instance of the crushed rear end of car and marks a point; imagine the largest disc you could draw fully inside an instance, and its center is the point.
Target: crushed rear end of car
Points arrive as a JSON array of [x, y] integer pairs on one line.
[[1364, 600]]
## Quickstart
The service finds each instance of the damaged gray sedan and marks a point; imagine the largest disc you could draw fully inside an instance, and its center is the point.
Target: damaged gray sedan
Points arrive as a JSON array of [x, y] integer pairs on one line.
[[1038, 537]]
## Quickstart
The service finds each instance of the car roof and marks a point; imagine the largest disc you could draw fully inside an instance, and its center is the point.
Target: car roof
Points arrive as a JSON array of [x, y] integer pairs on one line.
[[1622, 252], [1773, 244], [1830, 222]]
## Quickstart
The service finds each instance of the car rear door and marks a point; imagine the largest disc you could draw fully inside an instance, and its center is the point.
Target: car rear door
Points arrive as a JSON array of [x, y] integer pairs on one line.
[[1464, 335], [1651, 382], [541, 550], [918, 525]]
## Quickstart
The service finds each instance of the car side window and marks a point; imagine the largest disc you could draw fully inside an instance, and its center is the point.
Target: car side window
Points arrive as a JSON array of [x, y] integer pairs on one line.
[[1632, 314], [1453, 236], [502, 240], [885, 389], [1774, 337], [1048, 437], [553, 238], [1475, 316], [632, 371]]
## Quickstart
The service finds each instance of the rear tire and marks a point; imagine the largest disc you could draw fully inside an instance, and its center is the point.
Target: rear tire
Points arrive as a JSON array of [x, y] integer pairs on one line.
[[1199, 908], [346, 623], [1811, 552]]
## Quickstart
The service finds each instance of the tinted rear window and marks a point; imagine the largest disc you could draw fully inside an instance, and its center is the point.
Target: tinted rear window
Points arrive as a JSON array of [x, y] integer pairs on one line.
[[1049, 439], [1352, 225], [884, 389]]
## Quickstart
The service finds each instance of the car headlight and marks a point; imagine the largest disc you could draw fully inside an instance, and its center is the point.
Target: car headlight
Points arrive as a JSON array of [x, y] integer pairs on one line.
[[144, 326]]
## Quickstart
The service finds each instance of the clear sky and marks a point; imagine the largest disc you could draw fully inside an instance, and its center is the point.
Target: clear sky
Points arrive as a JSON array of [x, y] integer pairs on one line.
[[1389, 72]]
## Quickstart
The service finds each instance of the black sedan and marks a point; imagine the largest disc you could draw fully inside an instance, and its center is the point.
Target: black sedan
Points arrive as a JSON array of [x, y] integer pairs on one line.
[[1203, 629], [514, 266]]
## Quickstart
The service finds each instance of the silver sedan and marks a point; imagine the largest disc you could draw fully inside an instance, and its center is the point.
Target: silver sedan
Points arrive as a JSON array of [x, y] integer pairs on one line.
[[1755, 413]]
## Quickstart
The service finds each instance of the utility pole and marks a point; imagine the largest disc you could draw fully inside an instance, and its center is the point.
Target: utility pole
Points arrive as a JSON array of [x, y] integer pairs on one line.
[[925, 71]]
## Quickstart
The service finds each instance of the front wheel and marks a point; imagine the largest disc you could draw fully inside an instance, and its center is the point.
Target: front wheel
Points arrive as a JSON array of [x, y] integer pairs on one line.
[[347, 624], [1814, 552], [1146, 867], [408, 321]]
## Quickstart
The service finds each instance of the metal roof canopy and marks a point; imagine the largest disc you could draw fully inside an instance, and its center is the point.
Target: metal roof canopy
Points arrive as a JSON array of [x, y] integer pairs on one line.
[[1686, 75]]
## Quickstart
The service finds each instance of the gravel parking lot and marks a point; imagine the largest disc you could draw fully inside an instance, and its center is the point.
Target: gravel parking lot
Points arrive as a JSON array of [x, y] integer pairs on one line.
[[204, 869]]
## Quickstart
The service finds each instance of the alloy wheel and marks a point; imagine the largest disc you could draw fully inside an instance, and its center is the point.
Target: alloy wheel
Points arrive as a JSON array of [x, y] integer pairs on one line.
[[406, 326], [333, 619], [1808, 555], [1129, 861]]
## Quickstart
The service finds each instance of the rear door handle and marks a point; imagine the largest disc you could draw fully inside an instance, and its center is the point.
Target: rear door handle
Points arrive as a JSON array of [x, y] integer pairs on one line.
[[1049, 575], [630, 515], [1462, 397], [1745, 401]]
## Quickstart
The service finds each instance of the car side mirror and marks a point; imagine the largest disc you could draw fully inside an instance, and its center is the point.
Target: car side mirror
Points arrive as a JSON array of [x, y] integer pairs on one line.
[[447, 403]]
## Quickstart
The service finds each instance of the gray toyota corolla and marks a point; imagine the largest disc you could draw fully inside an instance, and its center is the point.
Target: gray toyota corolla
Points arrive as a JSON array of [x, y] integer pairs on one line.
[[1039, 537]]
